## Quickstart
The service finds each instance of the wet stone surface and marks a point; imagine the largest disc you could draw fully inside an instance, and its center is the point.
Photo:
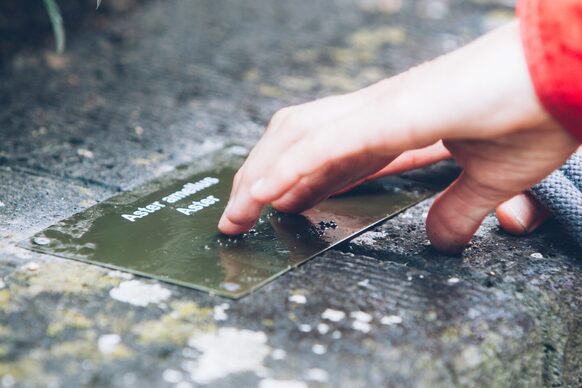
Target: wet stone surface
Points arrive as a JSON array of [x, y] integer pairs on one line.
[[176, 79]]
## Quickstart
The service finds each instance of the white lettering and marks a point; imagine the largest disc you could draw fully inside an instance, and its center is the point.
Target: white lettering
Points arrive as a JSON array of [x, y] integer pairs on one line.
[[196, 206], [144, 211], [190, 188]]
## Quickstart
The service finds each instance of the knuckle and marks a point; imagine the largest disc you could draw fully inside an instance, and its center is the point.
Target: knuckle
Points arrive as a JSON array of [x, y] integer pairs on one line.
[[280, 116]]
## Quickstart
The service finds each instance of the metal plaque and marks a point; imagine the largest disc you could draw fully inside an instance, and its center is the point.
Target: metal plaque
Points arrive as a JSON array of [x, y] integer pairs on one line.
[[167, 229]]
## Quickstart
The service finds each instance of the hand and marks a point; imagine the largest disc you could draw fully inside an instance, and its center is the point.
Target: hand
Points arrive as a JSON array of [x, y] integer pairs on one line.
[[479, 100], [519, 215]]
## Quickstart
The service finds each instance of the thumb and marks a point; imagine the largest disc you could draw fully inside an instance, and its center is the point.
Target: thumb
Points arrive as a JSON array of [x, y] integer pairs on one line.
[[457, 213], [521, 214]]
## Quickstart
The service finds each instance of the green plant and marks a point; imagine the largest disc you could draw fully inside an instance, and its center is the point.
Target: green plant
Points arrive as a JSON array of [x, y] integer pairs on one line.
[[56, 19]]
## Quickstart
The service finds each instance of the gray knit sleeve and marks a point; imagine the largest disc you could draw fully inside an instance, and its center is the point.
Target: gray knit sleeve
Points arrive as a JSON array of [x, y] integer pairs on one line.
[[561, 193]]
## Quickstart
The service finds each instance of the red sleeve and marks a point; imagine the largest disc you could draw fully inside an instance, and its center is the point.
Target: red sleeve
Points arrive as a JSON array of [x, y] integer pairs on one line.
[[552, 36]]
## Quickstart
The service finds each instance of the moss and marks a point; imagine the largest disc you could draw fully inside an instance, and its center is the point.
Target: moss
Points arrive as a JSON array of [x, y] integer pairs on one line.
[[5, 299], [4, 350], [21, 369], [63, 277], [5, 331], [87, 349], [270, 91], [374, 39], [177, 326], [297, 83], [190, 310], [121, 351], [69, 319], [268, 322], [80, 349]]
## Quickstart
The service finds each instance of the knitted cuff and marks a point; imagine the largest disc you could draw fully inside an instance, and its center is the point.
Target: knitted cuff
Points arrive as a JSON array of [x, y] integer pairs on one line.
[[561, 194]]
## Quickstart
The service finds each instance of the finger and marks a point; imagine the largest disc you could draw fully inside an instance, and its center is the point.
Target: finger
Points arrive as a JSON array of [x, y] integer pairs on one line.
[[242, 211], [521, 214], [326, 180], [457, 213], [409, 160], [286, 127], [308, 157], [239, 220]]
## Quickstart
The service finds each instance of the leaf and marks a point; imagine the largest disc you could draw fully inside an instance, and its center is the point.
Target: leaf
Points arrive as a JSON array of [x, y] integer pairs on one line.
[[54, 14]]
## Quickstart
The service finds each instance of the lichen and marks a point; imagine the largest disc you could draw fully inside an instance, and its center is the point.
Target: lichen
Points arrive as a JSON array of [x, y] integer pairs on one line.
[[62, 277], [177, 326], [5, 299], [69, 319], [21, 369]]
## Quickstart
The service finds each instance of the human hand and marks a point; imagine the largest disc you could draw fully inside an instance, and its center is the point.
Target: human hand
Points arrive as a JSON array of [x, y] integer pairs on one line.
[[479, 100], [520, 215]]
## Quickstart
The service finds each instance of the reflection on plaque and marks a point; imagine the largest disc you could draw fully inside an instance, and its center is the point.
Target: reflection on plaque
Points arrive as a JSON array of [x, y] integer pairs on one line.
[[167, 229]]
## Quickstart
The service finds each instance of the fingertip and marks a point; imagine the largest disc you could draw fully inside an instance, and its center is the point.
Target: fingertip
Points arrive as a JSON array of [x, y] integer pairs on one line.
[[457, 213], [442, 237], [509, 220], [226, 226], [521, 215]]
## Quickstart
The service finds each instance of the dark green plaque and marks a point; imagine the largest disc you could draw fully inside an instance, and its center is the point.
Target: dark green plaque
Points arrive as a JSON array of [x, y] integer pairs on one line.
[[167, 229]]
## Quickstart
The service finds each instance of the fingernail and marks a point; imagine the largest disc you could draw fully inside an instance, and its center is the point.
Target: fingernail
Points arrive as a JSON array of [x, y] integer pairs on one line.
[[521, 212], [258, 188], [223, 219]]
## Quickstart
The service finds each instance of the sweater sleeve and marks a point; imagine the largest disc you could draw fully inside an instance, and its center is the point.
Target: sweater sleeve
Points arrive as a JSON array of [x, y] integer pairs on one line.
[[551, 32]]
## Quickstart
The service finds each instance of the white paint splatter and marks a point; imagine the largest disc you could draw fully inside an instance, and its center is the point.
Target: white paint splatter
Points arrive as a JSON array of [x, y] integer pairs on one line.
[[230, 286], [391, 320], [305, 328], [317, 375], [137, 293], [120, 275], [32, 267], [298, 298], [271, 383], [369, 238], [364, 327], [189, 353], [453, 280], [278, 354], [536, 255], [361, 316], [364, 283], [227, 351], [172, 376], [107, 343], [336, 334], [8, 381], [319, 349], [238, 150], [323, 328], [220, 312], [85, 153], [333, 315]]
